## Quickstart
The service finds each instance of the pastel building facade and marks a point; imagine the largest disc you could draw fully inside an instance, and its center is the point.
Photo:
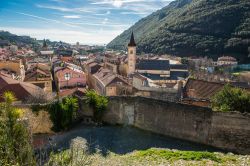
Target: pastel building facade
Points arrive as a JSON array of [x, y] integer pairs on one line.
[[66, 78]]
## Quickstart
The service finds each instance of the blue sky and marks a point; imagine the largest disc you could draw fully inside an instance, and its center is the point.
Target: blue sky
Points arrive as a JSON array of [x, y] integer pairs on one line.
[[86, 21]]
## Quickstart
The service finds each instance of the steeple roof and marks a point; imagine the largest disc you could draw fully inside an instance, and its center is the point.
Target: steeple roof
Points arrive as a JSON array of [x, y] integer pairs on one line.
[[132, 41], [44, 44]]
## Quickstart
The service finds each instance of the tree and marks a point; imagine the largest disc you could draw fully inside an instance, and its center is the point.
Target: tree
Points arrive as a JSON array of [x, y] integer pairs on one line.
[[98, 103], [231, 99], [15, 142], [91, 98], [63, 112], [69, 107]]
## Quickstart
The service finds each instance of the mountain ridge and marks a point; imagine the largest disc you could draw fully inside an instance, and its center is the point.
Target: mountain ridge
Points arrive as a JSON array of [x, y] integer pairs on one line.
[[193, 28]]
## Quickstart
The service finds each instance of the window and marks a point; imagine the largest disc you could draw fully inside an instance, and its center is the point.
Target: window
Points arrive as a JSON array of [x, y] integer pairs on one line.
[[67, 76], [131, 51]]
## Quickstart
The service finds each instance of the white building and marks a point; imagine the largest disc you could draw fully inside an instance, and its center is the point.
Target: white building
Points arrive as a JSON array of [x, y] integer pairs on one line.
[[226, 60]]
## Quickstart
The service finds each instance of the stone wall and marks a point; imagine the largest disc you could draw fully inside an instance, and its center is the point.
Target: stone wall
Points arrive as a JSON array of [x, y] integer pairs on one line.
[[228, 131]]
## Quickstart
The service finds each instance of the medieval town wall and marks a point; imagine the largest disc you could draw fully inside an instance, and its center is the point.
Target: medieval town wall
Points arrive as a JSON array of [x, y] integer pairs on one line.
[[228, 131]]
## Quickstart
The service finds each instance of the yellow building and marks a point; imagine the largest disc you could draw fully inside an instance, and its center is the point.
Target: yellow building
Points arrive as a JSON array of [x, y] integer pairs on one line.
[[14, 66]]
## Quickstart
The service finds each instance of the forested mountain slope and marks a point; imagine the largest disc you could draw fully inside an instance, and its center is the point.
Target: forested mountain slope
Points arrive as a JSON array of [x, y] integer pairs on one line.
[[194, 28]]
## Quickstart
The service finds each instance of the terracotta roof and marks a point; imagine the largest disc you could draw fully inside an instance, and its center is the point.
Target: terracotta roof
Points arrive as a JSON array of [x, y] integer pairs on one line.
[[107, 77], [204, 90], [38, 71], [21, 90], [199, 89], [80, 92]]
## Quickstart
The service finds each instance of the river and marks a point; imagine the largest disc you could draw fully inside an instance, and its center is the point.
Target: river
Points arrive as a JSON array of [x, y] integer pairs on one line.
[[122, 140]]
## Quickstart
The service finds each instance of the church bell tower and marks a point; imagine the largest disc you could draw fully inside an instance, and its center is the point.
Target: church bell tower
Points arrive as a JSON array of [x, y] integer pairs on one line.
[[131, 55]]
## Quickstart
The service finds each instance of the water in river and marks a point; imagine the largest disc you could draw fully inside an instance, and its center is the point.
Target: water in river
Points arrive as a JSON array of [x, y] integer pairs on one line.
[[122, 140]]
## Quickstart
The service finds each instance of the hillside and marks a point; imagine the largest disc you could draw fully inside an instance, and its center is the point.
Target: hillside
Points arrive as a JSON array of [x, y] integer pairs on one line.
[[15, 39], [194, 28]]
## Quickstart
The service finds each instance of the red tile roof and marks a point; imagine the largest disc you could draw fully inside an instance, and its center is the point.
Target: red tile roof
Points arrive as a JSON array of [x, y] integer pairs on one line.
[[204, 90], [21, 90]]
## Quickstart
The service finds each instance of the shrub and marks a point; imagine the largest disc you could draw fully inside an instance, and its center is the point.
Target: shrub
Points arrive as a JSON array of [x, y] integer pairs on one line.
[[15, 143], [98, 103], [63, 112], [77, 155], [231, 99]]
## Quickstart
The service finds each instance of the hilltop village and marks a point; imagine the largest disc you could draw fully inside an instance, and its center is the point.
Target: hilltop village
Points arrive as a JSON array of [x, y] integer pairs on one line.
[[65, 70]]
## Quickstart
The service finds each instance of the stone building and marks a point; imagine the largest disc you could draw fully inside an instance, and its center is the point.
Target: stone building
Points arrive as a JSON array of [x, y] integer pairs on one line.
[[40, 76], [107, 83], [67, 78]]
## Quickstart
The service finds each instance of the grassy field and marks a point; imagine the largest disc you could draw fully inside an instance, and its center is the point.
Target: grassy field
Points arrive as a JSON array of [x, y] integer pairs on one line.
[[156, 157]]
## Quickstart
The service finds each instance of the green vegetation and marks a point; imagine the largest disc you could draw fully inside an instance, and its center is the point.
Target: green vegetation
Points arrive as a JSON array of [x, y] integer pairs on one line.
[[98, 103], [231, 99], [78, 154], [177, 155], [152, 157], [193, 28], [15, 145], [19, 40], [63, 112]]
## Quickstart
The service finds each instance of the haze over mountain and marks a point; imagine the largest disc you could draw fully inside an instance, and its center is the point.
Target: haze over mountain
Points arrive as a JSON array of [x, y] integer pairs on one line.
[[194, 28]]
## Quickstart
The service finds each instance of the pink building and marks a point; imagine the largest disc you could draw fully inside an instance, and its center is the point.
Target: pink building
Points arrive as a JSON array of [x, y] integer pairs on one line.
[[67, 77]]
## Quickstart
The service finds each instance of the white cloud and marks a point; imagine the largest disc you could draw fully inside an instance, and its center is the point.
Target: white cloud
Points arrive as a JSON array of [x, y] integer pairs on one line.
[[72, 16], [62, 9], [57, 1], [65, 9], [105, 21], [103, 14], [117, 3], [46, 19], [135, 7]]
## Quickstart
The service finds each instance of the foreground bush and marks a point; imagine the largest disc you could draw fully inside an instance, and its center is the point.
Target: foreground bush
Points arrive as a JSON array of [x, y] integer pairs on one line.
[[231, 99], [152, 156], [77, 155], [15, 144]]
